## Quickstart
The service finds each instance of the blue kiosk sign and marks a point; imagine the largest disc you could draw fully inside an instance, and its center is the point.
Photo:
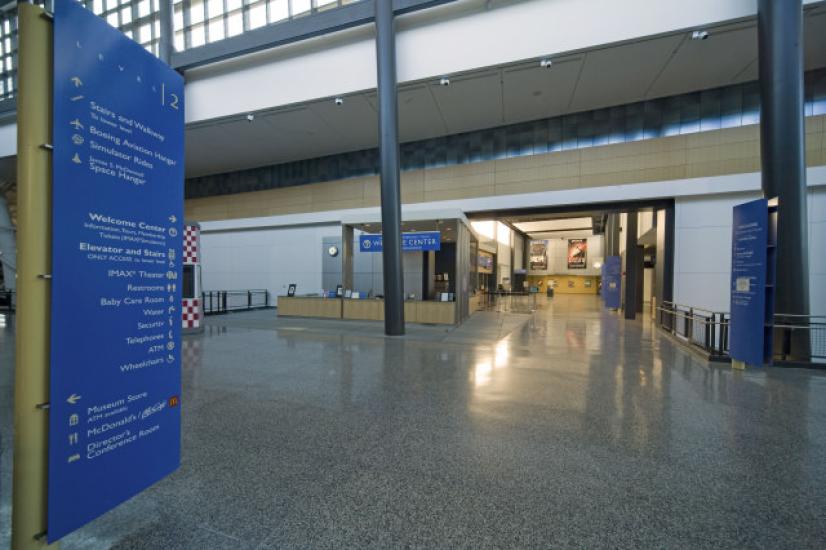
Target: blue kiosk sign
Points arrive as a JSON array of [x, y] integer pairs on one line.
[[114, 420], [419, 240], [612, 281], [752, 282]]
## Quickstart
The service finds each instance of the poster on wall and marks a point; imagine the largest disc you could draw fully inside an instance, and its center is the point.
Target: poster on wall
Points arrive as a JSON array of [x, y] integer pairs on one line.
[[485, 262], [538, 260], [577, 253]]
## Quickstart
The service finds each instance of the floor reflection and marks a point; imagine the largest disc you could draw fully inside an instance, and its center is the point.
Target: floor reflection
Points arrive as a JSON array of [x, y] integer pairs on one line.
[[567, 427]]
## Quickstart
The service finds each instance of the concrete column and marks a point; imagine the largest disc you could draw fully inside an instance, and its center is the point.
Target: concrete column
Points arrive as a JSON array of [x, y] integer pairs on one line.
[[391, 210], [782, 151], [8, 246]]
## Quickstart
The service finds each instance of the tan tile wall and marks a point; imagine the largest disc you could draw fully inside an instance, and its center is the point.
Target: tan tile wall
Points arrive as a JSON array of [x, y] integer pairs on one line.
[[713, 153]]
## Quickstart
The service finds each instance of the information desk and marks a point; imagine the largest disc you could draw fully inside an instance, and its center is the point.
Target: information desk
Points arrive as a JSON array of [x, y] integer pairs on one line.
[[309, 306], [440, 313]]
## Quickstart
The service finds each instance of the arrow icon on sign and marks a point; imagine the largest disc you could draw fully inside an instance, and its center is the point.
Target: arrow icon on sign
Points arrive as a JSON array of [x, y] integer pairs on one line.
[[172, 218], [73, 399], [77, 81]]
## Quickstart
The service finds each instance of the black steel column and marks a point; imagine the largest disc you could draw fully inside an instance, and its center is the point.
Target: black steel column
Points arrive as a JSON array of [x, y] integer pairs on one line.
[[782, 151], [391, 208], [166, 40], [631, 272]]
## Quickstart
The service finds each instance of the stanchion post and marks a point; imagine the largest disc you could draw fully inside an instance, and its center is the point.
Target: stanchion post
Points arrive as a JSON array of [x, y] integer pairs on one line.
[[34, 230]]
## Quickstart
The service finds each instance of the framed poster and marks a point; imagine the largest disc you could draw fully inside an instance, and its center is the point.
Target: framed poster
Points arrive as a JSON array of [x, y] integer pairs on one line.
[[538, 257], [577, 253], [485, 262]]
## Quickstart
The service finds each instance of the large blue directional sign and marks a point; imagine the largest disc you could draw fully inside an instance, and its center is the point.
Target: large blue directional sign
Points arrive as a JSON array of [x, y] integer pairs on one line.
[[751, 299], [419, 240], [114, 419], [612, 282]]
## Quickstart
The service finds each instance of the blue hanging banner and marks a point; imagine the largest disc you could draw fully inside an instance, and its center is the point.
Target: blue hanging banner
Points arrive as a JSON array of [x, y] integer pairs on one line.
[[419, 240], [752, 276], [118, 129], [612, 282]]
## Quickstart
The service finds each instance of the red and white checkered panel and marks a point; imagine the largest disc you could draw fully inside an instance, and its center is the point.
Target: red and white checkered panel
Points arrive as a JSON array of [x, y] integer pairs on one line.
[[192, 239], [191, 313]]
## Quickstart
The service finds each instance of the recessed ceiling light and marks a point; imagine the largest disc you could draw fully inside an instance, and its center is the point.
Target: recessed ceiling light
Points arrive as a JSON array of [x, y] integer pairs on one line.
[[699, 35]]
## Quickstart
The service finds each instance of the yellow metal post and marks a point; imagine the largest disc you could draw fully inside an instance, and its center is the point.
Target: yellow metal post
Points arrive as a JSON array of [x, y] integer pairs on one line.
[[34, 250]]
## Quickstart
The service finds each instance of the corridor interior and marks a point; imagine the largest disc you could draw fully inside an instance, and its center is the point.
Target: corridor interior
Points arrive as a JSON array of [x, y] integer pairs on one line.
[[566, 427]]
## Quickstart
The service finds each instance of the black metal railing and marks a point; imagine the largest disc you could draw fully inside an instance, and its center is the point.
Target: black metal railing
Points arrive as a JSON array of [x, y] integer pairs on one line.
[[787, 325], [704, 329], [216, 302], [6, 301], [506, 301]]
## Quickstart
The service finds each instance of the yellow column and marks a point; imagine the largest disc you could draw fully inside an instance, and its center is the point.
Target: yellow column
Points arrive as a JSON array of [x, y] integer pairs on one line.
[[34, 248]]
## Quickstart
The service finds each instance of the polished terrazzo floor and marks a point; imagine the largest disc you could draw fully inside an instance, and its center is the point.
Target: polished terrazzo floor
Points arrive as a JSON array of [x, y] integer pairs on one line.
[[567, 428]]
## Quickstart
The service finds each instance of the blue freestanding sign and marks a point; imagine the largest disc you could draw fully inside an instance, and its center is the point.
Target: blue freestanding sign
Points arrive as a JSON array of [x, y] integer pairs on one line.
[[419, 240], [612, 282], [752, 276], [114, 419]]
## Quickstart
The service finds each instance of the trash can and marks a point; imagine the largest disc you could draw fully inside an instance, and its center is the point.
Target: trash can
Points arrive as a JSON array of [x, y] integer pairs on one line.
[[549, 292]]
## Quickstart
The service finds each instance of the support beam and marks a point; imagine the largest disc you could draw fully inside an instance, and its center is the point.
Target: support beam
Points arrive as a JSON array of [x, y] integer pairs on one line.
[[391, 208], [782, 152], [166, 42], [631, 274]]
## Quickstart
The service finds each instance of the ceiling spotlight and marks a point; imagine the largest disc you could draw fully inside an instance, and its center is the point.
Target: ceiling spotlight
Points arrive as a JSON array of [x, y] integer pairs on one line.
[[699, 35], [339, 101], [250, 117], [546, 63], [444, 81]]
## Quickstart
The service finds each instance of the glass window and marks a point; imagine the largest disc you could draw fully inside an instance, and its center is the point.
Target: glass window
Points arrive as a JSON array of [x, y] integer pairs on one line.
[[258, 15], [196, 12], [301, 7], [216, 29], [279, 10], [235, 24]]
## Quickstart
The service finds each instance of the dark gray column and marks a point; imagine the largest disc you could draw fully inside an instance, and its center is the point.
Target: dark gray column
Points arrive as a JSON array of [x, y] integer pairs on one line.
[[782, 151], [631, 275], [665, 257], [166, 40], [391, 209], [612, 235]]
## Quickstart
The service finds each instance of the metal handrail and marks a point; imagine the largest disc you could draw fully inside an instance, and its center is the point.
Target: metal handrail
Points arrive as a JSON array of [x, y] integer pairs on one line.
[[216, 301]]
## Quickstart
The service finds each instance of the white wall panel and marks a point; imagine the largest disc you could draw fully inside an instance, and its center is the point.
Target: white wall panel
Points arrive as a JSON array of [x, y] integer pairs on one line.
[[265, 258]]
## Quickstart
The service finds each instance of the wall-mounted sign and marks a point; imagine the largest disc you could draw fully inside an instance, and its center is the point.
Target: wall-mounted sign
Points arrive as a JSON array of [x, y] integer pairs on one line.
[[538, 256], [419, 240], [118, 189], [752, 277], [577, 253]]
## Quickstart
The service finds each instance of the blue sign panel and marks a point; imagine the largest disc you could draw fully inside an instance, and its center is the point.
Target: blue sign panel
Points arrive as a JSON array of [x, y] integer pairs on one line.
[[114, 419], [612, 282], [420, 240], [749, 270]]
